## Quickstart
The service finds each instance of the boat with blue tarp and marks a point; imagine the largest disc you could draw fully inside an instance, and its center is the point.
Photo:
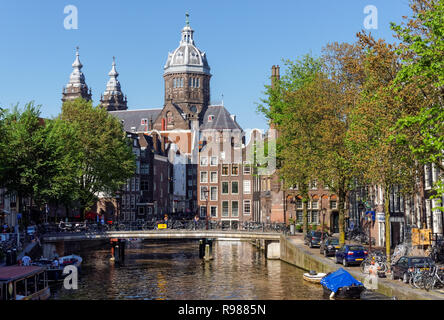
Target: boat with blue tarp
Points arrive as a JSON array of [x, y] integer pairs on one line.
[[341, 285]]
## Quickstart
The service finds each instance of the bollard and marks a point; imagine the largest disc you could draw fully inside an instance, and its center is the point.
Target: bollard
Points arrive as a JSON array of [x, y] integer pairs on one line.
[[207, 256], [14, 256], [8, 258], [116, 253], [122, 251], [201, 249]]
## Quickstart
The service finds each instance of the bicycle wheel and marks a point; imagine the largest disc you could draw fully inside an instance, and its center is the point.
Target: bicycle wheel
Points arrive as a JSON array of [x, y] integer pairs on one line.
[[418, 281], [365, 265]]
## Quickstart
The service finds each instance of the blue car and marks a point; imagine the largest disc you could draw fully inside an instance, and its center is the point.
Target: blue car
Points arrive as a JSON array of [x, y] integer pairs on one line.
[[350, 254]]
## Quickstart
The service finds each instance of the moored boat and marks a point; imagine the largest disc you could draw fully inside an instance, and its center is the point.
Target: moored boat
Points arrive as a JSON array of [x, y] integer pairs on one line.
[[23, 283], [313, 276], [341, 285], [55, 273]]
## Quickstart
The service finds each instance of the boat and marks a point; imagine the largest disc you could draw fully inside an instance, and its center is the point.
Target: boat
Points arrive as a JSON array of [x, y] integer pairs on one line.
[[23, 283], [313, 276], [56, 273], [341, 285]]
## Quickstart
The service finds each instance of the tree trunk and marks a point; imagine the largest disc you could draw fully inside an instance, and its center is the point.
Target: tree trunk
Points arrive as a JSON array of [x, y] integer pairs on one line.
[[341, 196], [387, 224], [304, 214]]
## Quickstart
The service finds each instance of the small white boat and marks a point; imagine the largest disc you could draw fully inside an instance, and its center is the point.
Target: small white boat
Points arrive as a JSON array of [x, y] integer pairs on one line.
[[313, 277]]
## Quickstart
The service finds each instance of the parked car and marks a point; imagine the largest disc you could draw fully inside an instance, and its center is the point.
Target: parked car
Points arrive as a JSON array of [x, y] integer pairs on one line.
[[329, 246], [313, 238], [401, 268], [350, 254]]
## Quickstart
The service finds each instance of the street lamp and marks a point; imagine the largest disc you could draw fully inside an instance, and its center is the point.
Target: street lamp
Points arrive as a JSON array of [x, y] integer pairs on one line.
[[323, 210], [117, 217], [206, 191]]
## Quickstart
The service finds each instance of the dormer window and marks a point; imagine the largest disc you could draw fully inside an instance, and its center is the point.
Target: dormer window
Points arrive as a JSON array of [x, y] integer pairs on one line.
[[144, 122], [210, 118]]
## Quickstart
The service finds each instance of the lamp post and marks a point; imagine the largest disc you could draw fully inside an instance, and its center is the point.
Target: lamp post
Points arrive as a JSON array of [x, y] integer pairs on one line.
[[206, 191], [323, 211], [117, 217]]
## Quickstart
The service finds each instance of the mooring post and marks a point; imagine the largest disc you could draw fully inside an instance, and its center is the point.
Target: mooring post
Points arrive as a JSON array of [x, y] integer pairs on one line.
[[207, 256], [122, 250], [201, 248]]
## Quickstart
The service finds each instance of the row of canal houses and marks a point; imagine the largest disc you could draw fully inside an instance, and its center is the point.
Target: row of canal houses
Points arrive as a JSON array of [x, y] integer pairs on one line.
[[193, 158]]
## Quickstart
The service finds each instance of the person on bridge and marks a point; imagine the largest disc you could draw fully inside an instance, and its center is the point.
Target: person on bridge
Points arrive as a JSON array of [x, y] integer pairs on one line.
[[196, 221]]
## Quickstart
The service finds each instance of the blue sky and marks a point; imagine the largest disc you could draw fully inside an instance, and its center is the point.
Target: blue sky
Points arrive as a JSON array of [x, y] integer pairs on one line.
[[242, 39]]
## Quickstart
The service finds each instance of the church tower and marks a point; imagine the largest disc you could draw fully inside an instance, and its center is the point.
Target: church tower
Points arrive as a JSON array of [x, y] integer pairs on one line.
[[113, 98], [187, 77], [76, 88]]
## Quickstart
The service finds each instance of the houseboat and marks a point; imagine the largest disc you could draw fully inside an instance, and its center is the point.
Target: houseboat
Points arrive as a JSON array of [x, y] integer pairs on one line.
[[23, 283]]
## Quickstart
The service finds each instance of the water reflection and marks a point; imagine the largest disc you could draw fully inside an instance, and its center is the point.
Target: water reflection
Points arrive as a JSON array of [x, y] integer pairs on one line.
[[173, 270]]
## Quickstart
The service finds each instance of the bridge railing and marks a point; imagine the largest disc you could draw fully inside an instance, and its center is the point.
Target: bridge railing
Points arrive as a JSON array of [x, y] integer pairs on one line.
[[171, 225]]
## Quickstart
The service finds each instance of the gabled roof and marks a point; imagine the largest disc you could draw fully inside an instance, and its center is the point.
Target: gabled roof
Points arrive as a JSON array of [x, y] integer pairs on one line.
[[222, 119], [132, 118]]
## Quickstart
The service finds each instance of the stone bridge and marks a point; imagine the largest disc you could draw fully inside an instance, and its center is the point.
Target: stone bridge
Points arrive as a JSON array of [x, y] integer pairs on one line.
[[268, 241], [162, 234]]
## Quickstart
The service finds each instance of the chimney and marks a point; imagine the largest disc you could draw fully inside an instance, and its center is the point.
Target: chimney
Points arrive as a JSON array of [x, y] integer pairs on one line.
[[273, 76]]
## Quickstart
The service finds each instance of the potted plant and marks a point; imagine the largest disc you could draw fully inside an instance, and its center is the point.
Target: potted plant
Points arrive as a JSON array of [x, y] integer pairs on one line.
[[299, 227]]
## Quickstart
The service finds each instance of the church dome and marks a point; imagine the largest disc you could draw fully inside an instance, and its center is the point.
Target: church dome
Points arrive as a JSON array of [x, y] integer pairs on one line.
[[187, 57]]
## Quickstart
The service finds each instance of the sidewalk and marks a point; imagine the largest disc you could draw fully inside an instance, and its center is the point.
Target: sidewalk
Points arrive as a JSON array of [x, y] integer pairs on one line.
[[385, 286]]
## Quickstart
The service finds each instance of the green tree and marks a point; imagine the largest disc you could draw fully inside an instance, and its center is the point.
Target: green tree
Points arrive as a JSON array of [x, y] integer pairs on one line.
[[422, 54], [104, 160], [377, 159], [287, 107], [25, 159]]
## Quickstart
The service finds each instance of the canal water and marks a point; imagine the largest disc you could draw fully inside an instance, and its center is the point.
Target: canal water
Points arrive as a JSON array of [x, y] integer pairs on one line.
[[173, 270]]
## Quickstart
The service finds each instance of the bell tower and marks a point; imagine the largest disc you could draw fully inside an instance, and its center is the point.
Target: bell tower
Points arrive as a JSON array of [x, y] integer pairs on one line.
[[113, 98], [187, 76], [76, 88]]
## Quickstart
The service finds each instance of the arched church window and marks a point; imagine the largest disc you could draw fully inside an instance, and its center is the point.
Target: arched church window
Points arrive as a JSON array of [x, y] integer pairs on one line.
[[197, 83]]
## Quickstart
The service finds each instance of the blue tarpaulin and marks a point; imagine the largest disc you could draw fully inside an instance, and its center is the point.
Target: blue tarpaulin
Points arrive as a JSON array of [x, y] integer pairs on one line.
[[339, 279]]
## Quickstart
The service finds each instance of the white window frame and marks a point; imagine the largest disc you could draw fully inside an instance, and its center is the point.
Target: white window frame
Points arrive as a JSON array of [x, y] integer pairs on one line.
[[211, 175], [237, 181], [246, 165], [222, 188], [200, 211], [244, 211], [206, 174], [211, 161], [228, 209], [238, 169], [203, 195], [222, 171], [211, 213], [249, 186], [232, 215], [204, 161], [210, 194]]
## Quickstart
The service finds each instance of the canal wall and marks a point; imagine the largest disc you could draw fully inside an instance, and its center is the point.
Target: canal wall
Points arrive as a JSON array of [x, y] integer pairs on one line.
[[293, 251]]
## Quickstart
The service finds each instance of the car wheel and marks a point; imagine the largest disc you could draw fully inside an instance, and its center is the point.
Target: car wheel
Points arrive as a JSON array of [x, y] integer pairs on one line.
[[344, 262], [405, 278]]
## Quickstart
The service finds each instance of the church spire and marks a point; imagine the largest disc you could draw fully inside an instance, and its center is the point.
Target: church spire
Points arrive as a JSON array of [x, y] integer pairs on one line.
[[76, 87], [113, 98]]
